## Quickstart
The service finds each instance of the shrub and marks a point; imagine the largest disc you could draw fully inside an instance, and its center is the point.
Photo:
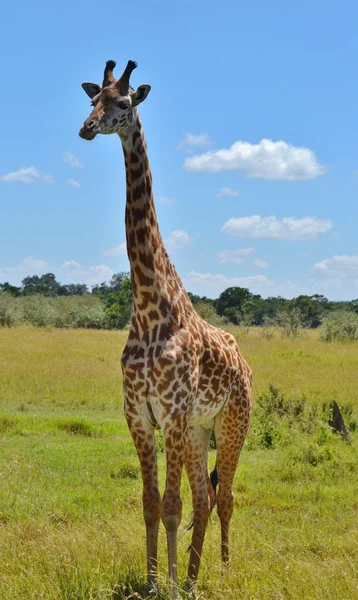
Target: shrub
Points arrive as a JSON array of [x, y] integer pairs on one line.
[[10, 310], [273, 402], [268, 328], [207, 312], [341, 326], [291, 323], [37, 311], [64, 312], [267, 435]]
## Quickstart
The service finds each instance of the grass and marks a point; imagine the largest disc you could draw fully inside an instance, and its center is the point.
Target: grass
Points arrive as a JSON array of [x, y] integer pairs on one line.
[[71, 526]]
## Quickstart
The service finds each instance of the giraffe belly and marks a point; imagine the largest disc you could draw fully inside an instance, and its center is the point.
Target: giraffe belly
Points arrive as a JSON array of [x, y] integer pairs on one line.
[[205, 410]]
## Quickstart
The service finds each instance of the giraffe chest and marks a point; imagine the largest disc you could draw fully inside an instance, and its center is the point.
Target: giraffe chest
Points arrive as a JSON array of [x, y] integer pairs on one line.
[[163, 369]]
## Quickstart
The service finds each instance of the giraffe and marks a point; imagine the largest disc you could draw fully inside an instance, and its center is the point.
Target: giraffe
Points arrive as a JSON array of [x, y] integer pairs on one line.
[[180, 374]]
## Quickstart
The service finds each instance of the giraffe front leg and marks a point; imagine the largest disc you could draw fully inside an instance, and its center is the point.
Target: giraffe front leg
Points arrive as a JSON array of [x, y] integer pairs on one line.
[[144, 439], [151, 513]]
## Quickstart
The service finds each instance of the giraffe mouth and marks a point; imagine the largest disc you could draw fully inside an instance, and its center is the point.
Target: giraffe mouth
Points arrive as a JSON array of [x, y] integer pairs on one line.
[[86, 134]]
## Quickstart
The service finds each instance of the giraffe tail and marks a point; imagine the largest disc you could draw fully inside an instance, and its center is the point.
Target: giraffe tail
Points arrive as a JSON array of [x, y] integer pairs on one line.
[[214, 478]]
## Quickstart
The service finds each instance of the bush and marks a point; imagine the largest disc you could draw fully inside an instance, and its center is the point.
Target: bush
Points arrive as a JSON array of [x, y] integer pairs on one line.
[[275, 403], [10, 310], [38, 311], [341, 326], [64, 312], [206, 311], [291, 323], [281, 421], [268, 328], [80, 311]]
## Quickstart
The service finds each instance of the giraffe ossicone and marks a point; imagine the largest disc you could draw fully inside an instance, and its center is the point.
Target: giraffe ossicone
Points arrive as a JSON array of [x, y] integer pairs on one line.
[[179, 373]]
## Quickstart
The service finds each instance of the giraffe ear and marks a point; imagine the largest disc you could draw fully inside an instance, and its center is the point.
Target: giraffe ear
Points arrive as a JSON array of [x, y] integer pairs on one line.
[[140, 94], [91, 89]]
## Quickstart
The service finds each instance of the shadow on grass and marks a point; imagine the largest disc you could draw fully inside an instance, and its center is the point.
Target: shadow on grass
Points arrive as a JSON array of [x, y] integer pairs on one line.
[[6, 424], [75, 427]]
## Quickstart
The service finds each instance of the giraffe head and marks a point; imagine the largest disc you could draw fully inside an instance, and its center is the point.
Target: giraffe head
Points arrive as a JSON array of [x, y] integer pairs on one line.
[[114, 103]]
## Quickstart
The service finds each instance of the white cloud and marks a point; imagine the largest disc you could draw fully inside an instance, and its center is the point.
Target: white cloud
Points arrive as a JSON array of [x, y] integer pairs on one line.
[[336, 277], [47, 178], [208, 284], [72, 160], [261, 264], [27, 175], [70, 271], [178, 240], [28, 266], [70, 264], [221, 282], [233, 256], [167, 200], [269, 228], [192, 140], [268, 159], [73, 272], [226, 191], [120, 250], [338, 267], [34, 264], [73, 182]]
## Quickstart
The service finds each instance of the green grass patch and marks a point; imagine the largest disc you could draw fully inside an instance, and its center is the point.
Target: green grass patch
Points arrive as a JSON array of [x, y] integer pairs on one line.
[[71, 525], [76, 427], [6, 424]]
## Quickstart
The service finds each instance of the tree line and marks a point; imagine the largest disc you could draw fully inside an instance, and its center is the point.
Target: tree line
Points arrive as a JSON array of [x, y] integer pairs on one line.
[[236, 305]]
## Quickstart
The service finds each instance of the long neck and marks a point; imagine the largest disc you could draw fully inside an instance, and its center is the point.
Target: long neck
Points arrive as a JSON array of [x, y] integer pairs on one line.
[[158, 293]]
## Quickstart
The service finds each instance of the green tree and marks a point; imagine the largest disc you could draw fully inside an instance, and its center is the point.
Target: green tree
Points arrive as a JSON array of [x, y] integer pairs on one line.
[[207, 312], [232, 297], [118, 304], [115, 285], [74, 289], [10, 289], [45, 285], [312, 309]]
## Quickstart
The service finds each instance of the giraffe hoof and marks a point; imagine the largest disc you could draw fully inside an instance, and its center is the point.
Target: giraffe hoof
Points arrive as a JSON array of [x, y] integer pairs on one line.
[[190, 589], [152, 590]]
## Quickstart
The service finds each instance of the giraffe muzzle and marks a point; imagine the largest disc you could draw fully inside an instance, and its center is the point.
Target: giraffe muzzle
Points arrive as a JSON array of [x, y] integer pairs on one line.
[[88, 130]]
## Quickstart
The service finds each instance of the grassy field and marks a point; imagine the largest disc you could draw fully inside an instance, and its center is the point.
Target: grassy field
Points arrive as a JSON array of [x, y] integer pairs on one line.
[[70, 492]]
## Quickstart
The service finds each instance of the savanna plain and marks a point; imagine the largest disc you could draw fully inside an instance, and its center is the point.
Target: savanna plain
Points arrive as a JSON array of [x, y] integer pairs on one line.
[[71, 524]]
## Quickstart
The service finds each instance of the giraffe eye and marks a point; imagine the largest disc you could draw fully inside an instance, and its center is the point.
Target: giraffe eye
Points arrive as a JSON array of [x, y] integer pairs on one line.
[[122, 105]]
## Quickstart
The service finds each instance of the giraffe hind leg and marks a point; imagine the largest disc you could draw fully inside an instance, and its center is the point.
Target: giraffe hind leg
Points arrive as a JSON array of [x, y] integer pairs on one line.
[[231, 426], [196, 459]]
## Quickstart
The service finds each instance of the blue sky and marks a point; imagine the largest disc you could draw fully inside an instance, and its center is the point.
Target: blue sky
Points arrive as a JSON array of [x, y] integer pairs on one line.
[[251, 125]]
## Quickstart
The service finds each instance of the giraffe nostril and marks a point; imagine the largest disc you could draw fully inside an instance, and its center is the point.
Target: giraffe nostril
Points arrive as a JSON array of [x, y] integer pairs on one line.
[[91, 124]]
